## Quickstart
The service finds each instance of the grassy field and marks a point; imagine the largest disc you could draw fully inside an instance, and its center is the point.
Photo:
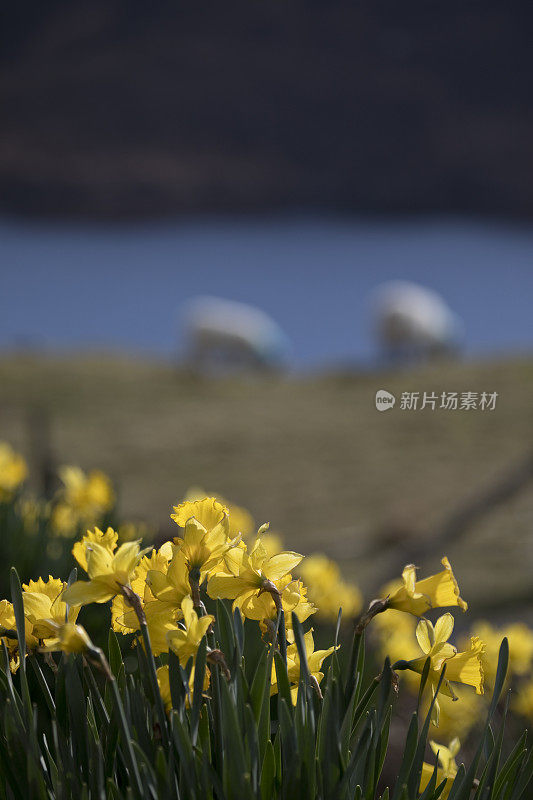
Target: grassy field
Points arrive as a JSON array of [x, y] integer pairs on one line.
[[309, 454]]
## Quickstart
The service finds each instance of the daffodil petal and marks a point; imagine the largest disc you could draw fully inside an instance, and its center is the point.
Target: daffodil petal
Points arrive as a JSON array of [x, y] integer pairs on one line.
[[279, 565], [424, 635], [83, 592], [443, 628]]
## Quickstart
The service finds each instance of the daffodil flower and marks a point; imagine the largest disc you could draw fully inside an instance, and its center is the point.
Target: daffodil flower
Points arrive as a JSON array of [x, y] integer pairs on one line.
[[457, 716], [327, 590], [433, 641], [185, 640], [123, 617], [520, 639], [83, 499], [522, 702], [44, 606], [160, 616], [13, 471], [163, 682], [256, 572], [108, 540], [69, 638], [315, 659], [447, 769], [241, 521], [108, 574], [8, 632], [206, 529], [293, 593], [417, 597], [170, 585], [465, 667]]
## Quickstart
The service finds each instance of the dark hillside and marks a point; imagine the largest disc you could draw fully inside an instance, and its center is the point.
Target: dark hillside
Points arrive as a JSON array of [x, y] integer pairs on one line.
[[114, 108]]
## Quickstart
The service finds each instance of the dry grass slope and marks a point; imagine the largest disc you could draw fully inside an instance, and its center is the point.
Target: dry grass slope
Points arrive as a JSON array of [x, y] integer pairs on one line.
[[310, 454]]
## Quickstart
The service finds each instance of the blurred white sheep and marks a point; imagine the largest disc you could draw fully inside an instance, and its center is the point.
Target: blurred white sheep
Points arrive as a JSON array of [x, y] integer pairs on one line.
[[414, 323], [224, 335]]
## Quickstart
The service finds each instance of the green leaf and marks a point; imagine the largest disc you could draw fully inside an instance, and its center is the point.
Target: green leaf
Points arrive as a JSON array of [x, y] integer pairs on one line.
[[45, 689], [300, 645], [501, 672], [178, 689], [18, 607], [224, 630], [268, 773], [354, 665], [238, 629], [407, 760], [284, 687], [115, 655], [461, 790]]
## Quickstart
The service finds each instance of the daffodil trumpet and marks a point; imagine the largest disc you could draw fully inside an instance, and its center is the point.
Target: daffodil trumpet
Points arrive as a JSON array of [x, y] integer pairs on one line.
[[72, 638], [417, 596]]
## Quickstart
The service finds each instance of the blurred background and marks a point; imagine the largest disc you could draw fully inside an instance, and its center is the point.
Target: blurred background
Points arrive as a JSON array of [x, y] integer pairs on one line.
[[224, 228]]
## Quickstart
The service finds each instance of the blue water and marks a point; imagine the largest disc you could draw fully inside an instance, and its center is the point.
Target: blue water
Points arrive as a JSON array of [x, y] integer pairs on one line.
[[121, 287]]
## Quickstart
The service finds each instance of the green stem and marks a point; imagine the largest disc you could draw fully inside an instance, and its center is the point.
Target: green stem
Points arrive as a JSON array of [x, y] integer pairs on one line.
[[272, 589], [375, 607], [217, 706], [135, 601]]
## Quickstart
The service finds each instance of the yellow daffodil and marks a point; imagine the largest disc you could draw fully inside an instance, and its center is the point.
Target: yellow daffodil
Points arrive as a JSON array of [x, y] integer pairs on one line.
[[327, 590], [417, 597], [465, 667], [522, 702], [161, 617], [108, 573], [163, 681], [164, 686], [131, 531], [315, 658], [520, 639], [254, 573], [170, 585], [205, 539], [433, 641], [293, 595], [123, 618], [89, 493], [272, 542], [84, 499], [447, 766], [185, 640], [32, 511], [70, 638], [9, 625], [44, 606], [13, 472], [108, 540], [160, 620], [458, 717], [241, 521]]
